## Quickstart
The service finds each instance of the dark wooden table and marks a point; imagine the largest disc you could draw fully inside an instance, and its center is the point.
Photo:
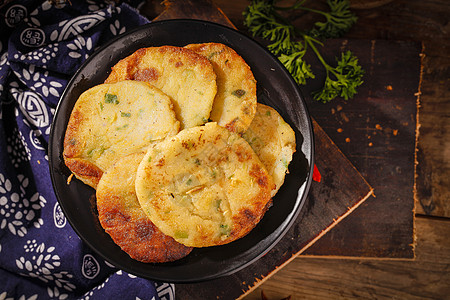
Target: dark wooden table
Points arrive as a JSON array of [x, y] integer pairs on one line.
[[399, 147], [424, 23]]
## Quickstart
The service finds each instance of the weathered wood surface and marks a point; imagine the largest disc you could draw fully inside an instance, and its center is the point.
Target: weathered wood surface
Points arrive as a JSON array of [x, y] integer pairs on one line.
[[427, 22], [377, 132], [433, 169], [424, 22], [193, 9], [427, 277]]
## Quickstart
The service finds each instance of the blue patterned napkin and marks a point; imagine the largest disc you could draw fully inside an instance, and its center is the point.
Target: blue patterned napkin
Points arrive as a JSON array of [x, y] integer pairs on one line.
[[42, 44]]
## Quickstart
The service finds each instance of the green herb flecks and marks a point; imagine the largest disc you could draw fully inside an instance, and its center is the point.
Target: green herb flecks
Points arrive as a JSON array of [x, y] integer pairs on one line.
[[284, 162], [96, 151], [238, 93], [181, 234], [217, 204], [111, 98], [224, 229], [212, 54], [125, 114]]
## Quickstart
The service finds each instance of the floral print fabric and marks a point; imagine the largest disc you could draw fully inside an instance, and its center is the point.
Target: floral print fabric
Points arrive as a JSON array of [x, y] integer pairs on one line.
[[42, 44]]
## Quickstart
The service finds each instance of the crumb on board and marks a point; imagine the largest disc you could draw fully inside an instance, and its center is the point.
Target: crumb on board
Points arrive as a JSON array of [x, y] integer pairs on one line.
[[344, 117], [370, 144], [347, 140], [395, 132], [389, 87], [378, 127], [340, 130]]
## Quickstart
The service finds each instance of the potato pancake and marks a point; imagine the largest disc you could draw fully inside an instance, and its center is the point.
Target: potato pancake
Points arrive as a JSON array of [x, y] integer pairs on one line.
[[273, 140], [185, 76], [235, 103], [203, 187], [124, 220], [110, 121]]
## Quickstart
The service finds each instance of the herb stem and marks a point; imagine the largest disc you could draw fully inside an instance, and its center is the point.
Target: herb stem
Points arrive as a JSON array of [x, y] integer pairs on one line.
[[310, 41]]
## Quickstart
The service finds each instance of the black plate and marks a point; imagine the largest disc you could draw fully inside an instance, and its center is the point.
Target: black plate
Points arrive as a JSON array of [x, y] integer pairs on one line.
[[275, 88]]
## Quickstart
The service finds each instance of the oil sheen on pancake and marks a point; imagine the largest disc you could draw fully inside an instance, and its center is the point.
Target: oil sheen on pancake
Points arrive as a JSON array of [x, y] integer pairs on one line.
[[235, 103], [273, 140], [185, 76], [203, 187], [124, 220], [110, 121]]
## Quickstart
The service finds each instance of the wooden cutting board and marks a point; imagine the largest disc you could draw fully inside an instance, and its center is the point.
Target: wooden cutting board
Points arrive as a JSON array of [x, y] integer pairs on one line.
[[377, 132]]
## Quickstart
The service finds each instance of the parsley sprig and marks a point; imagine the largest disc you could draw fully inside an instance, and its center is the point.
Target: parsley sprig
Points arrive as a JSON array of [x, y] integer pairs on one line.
[[290, 44]]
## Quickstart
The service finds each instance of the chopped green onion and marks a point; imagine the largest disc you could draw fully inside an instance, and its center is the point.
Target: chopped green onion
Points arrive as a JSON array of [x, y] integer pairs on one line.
[[225, 229], [217, 204], [181, 234], [111, 98], [238, 93]]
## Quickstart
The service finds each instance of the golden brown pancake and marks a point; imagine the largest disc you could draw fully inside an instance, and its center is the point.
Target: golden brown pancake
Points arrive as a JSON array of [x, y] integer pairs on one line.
[[185, 76], [124, 220], [273, 140], [110, 121], [235, 103], [203, 187]]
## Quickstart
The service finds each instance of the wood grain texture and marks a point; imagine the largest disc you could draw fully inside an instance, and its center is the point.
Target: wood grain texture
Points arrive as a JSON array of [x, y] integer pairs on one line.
[[193, 9], [377, 132], [424, 22], [426, 277], [433, 169]]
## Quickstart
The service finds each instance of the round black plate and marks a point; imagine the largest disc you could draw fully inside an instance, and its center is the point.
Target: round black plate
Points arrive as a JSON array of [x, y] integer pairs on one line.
[[275, 88]]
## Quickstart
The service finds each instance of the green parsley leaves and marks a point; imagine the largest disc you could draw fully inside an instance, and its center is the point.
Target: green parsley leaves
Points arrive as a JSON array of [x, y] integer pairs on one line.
[[290, 44]]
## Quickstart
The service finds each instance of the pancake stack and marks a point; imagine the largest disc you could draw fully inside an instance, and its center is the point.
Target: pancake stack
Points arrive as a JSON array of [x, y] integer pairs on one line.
[[179, 151]]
